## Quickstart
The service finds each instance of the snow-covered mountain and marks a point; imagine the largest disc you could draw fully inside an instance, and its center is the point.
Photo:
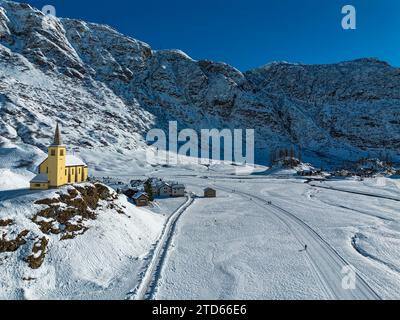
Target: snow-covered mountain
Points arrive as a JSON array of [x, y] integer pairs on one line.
[[108, 90]]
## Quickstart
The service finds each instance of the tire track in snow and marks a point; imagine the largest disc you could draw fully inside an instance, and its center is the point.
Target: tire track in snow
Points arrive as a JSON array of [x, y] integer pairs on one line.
[[367, 194], [313, 268], [331, 269], [148, 285], [392, 268], [355, 210], [327, 261], [323, 284]]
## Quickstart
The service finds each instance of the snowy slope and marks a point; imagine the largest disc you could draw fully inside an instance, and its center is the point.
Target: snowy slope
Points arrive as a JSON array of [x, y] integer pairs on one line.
[[103, 262], [80, 74]]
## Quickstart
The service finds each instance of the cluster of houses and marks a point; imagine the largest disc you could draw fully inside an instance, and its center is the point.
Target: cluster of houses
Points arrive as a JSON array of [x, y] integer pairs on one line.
[[143, 192], [310, 173], [140, 193], [159, 189], [367, 168], [364, 168]]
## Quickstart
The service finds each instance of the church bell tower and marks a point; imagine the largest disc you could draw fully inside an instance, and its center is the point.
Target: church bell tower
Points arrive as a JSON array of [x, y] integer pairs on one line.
[[57, 160]]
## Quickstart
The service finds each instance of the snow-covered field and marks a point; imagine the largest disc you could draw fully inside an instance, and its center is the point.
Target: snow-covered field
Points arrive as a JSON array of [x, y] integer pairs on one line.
[[248, 243], [239, 247]]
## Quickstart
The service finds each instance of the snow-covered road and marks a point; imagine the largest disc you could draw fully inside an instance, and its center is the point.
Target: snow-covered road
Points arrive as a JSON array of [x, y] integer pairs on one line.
[[148, 284]]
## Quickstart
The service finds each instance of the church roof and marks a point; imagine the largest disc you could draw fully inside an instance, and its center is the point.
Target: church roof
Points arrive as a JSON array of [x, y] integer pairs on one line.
[[74, 161], [71, 161], [40, 178], [57, 137]]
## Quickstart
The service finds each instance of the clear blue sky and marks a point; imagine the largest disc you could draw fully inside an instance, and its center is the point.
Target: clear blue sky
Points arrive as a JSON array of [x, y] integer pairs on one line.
[[250, 33]]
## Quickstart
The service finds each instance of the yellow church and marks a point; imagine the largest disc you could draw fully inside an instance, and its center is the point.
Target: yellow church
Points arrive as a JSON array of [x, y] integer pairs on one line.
[[59, 169]]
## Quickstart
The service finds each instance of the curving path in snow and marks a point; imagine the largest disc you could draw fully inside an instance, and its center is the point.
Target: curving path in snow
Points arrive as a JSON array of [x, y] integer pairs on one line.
[[367, 194], [326, 263], [148, 285]]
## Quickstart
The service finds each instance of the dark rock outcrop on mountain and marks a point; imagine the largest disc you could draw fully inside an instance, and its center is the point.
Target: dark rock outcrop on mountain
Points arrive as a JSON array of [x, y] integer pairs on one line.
[[111, 89]]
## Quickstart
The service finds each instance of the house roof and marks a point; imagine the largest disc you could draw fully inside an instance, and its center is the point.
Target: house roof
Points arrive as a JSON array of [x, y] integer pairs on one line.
[[40, 178], [164, 184], [139, 195], [178, 186], [73, 161], [209, 189]]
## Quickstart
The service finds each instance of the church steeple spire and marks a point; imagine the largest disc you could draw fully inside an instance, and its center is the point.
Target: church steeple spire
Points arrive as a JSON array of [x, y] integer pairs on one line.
[[57, 137]]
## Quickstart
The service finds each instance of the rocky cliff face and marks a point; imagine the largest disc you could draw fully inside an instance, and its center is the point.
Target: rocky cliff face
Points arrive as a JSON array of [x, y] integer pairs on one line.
[[107, 90]]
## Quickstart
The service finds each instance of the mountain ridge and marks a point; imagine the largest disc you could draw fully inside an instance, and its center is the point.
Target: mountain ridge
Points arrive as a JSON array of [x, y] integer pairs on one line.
[[111, 89]]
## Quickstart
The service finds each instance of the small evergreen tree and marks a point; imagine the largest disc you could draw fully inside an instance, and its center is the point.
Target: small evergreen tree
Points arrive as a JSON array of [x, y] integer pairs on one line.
[[149, 190], [300, 157]]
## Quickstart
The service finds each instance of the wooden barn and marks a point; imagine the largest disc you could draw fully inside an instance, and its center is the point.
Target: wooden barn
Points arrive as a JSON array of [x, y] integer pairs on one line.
[[210, 193], [141, 199]]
